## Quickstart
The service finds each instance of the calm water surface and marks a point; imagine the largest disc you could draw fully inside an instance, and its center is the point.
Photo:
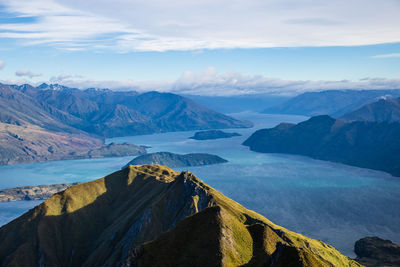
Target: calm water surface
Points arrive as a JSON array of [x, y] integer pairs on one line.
[[328, 201]]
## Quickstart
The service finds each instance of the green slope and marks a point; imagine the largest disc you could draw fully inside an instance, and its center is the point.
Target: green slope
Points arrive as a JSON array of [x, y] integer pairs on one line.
[[150, 215]]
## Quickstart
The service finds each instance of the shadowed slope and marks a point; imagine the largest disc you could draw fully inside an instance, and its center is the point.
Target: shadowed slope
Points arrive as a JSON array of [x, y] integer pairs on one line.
[[373, 145], [386, 109], [332, 102], [150, 215]]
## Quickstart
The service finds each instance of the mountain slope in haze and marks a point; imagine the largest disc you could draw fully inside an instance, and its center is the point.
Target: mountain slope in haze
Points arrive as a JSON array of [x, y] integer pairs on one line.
[[18, 108], [332, 102], [177, 160], [29, 143], [153, 216], [239, 103], [385, 109], [108, 113], [31, 130], [53, 122], [373, 145]]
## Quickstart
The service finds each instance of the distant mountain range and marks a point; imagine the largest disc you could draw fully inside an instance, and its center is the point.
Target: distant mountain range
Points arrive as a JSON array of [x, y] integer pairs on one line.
[[385, 109], [110, 113], [51, 122], [332, 102], [239, 103], [373, 145], [151, 215]]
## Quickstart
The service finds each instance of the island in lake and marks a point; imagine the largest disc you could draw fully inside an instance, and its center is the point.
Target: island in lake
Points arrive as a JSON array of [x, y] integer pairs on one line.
[[176, 160], [212, 134]]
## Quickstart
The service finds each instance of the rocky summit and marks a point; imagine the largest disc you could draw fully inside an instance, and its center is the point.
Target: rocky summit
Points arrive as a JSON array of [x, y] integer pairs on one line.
[[150, 215]]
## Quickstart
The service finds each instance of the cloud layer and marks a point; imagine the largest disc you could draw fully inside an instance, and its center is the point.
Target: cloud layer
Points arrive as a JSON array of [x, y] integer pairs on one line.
[[156, 25], [210, 82], [27, 73], [393, 55]]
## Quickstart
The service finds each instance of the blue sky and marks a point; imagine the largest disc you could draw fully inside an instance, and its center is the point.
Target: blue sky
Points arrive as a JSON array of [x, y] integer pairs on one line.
[[202, 47]]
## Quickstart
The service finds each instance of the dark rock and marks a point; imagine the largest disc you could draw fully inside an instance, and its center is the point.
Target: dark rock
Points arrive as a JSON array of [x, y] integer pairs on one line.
[[374, 251]]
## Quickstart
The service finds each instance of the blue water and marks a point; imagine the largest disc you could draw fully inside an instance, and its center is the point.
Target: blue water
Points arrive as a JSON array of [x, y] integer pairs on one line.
[[328, 201]]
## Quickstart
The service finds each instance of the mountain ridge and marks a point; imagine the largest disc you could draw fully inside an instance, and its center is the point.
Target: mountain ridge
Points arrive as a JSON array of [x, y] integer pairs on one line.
[[110, 113], [53, 122], [330, 102], [142, 209], [385, 109], [372, 145]]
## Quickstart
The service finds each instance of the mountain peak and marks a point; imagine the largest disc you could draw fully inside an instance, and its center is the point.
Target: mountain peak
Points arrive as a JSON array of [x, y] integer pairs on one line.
[[43, 86], [150, 215]]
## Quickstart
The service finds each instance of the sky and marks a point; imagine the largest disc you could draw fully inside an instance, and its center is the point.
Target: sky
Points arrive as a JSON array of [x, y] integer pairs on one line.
[[203, 47]]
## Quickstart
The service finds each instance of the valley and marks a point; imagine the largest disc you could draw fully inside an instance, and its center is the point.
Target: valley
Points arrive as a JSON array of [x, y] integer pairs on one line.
[[332, 202]]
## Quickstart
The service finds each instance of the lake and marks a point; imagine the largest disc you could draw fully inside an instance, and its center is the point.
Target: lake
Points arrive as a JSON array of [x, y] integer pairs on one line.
[[335, 203]]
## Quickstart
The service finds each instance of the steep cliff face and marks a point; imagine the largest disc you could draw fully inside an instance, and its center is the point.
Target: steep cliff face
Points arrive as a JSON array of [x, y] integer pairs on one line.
[[150, 215]]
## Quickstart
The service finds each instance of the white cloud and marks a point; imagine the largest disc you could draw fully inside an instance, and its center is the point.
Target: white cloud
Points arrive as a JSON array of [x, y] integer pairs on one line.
[[394, 55], [63, 76], [27, 73], [211, 82], [1, 65], [156, 25]]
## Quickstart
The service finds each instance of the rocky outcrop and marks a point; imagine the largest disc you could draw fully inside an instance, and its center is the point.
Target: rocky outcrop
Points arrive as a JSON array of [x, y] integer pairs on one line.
[[377, 252], [212, 134], [176, 160], [32, 192], [153, 216]]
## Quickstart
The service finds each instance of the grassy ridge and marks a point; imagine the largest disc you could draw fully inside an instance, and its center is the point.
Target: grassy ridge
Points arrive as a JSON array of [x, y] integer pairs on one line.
[[150, 215]]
